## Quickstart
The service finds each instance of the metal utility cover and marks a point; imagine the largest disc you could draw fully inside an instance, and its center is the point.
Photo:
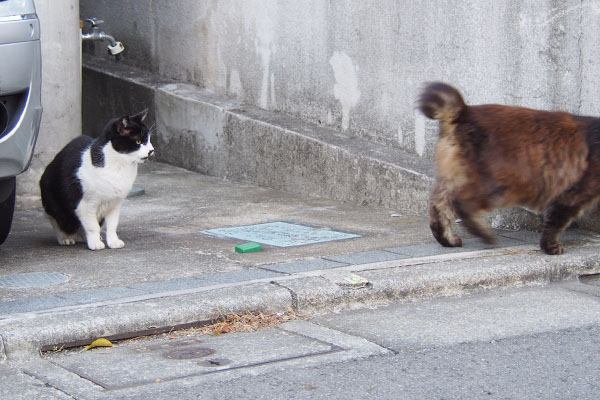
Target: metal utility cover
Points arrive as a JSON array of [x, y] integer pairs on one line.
[[33, 279], [120, 368], [280, 234]]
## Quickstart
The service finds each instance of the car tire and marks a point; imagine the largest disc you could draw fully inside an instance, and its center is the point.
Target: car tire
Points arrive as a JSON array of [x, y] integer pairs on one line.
[[7, 206]]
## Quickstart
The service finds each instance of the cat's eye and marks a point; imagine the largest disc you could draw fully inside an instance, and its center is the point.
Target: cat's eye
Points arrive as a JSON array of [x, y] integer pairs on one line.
[[138, 141]]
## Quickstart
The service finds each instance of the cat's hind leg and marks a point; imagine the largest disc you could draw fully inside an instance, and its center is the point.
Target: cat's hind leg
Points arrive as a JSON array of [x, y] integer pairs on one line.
[[65, 223], [441, 218], [112, 221], [64, 239]]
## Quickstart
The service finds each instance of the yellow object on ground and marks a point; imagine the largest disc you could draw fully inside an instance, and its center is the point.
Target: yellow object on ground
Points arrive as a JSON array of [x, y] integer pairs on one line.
[[102, 342]]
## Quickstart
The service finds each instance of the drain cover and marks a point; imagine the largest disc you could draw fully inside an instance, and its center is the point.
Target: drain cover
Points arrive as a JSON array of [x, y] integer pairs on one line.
[[189, 353], [32, 279], [280, 234]]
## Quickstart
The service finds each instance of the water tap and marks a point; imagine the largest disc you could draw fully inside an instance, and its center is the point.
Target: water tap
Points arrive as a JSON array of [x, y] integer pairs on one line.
[[114, 48]]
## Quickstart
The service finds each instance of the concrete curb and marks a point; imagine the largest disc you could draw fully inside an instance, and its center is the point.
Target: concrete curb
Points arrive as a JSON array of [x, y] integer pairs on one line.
[[434, 278], [23, 335]]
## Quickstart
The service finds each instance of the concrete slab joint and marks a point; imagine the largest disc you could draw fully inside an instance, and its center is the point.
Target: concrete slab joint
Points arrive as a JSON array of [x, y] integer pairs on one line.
[[293, 295], [3, 356]]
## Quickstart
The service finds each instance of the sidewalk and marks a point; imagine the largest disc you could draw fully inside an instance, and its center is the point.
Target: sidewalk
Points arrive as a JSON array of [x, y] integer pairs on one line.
[[177, 268]]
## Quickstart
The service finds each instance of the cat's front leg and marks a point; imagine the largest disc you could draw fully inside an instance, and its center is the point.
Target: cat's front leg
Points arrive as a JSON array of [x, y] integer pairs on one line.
[[87, 214], [112, 221]]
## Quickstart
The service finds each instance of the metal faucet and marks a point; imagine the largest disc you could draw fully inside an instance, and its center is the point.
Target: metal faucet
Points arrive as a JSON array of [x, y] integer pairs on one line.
[[115, 48]]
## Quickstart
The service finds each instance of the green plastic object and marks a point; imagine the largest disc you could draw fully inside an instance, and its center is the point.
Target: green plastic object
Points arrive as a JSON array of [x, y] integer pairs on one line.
[[248, 247]]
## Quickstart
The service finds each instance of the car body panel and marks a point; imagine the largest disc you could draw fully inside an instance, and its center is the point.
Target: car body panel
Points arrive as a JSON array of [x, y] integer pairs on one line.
[[16, 7], [20, 85]]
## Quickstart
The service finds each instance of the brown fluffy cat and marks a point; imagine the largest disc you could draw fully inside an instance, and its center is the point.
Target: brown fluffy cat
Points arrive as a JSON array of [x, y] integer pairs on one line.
[[494, 156]]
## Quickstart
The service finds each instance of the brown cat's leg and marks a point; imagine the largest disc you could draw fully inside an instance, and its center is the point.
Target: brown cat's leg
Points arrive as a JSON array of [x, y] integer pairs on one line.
[[556, 219], [565, 209], [471, 220], [441, 219]]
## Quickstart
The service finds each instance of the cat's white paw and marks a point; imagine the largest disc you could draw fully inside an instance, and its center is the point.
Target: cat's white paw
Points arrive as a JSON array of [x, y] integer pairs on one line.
[[116, 244], [66, 241], [95, 244]]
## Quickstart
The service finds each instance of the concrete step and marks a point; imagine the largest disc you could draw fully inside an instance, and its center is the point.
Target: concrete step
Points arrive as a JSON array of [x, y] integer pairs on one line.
[[219, 136], [200, 131]]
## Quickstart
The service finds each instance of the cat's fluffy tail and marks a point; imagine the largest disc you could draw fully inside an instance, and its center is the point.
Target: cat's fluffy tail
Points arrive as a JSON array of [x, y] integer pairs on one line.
[[441, 101]]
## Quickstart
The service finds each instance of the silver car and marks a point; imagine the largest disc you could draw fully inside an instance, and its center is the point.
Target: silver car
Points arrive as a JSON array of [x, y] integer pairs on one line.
[[20, 98]]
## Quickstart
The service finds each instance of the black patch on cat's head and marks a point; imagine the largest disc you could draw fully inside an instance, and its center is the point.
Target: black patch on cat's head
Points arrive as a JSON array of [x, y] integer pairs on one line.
[[127, 133]]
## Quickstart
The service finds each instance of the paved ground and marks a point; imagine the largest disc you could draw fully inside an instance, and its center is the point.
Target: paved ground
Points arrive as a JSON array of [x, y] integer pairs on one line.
[[519, 343], [173, 272], [163, 232]]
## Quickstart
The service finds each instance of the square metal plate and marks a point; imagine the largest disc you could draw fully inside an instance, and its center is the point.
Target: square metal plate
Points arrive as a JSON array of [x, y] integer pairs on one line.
[[280, 234]]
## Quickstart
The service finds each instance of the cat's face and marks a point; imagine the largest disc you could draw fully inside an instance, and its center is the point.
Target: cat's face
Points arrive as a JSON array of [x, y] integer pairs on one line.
[[131, 137]]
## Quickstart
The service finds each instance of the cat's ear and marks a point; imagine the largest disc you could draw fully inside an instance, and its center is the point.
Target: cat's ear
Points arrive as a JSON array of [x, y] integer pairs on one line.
[[141, 116], [123, 126]]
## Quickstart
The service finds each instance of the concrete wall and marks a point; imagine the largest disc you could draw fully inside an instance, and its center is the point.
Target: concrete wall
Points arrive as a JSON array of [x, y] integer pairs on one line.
[[61, 91], [338, 78], [357, 66]]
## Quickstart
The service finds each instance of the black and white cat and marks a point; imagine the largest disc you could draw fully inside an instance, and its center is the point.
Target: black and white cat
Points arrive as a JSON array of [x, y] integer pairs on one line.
[[86, 183]]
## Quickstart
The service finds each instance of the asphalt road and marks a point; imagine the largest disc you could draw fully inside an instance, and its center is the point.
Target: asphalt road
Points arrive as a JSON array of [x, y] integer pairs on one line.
[[529, 342]]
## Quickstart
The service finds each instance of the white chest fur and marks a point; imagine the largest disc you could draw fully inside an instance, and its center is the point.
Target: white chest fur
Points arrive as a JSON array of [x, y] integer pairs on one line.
[[112, 182]]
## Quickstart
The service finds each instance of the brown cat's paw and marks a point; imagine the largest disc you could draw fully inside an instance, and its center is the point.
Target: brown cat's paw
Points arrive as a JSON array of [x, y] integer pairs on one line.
[[489, 239], [453, 241], [552, 248]]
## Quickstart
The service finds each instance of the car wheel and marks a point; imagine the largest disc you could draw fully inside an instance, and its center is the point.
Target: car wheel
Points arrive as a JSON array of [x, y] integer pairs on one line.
[[7, 206]]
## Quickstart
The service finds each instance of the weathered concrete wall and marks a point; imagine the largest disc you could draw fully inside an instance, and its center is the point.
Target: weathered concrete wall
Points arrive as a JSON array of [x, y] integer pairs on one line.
[[61, 90], [345, 70], [219, 136], [357, 65]]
